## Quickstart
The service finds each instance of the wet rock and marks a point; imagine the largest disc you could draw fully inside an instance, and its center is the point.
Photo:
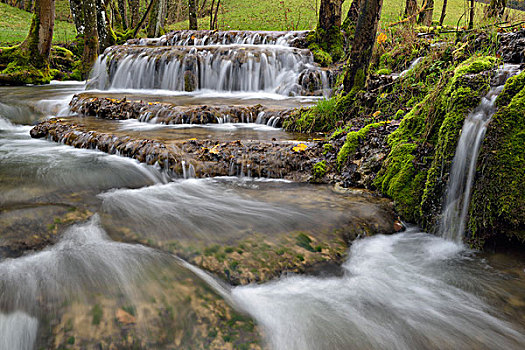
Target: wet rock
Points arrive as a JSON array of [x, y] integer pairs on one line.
[[363, 165], [166, 113], [207, 157], [512, 47]]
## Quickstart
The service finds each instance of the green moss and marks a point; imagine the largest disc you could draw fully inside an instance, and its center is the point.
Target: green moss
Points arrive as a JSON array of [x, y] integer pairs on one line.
[[498, 199], [352, 141], [320, 56], [384, 71], [423, 146], [326, 45], [319, 170]]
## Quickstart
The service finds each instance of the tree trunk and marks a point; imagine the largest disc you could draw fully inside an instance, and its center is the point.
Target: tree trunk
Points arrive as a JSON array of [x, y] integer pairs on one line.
[[215, 16], [496, 8], [471, 13], [328, 32], [443, 13], [202, 9], [425, 18], [211, 14], [122, 9], [192, 9], [161, 19], [411, 9], [90, 37], [77, 12], [363, 44], [330, 14], [134, 8], [153, 17], [143, 19], [352, 16], [106, 36], [38, 42]]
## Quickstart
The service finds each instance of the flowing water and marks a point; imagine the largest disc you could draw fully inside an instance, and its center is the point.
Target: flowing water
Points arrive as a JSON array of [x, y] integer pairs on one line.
[[74, 274], [457, 199]]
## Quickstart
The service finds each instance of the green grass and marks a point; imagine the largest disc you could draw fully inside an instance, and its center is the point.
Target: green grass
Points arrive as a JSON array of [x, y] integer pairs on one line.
[[301, 14], [15, 23]]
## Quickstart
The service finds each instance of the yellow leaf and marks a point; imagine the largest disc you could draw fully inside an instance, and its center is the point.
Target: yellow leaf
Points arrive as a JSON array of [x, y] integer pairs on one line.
[[214, 150], [381, 38], [193, 139], [300, 147], [376, 113], [383, 95]]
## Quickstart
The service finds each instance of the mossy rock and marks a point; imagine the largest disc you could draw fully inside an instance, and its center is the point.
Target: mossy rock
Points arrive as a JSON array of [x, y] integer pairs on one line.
[[422, 148], [498, 197]]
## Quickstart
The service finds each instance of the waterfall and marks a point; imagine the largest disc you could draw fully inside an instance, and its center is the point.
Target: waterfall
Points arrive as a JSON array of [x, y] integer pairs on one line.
[[228, 61], [212, 37], [453, 220]]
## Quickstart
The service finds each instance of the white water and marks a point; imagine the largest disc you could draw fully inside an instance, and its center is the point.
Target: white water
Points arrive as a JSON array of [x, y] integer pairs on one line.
[[463, 169], [18, 331], [207, 37], [84, 261], [406, 291], [270, 69]]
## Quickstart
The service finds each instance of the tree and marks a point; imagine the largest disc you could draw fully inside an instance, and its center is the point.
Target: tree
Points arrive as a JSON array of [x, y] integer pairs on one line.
[[328, 32], [134, 8], [106, 36], [28, 63], [157, 18], [411, 10], [496, 8], [362, 46], [425, 18], [443, 12], [91, 42], [471, 13], [353, 12], [122, 9], [192, 9]]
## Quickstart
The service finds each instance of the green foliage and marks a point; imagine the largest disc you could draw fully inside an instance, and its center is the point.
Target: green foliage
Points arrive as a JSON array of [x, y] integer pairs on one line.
[[319, 118], [319, 170]]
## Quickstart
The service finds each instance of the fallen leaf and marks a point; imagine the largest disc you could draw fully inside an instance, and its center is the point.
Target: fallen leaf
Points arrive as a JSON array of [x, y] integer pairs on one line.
[[300, 147]]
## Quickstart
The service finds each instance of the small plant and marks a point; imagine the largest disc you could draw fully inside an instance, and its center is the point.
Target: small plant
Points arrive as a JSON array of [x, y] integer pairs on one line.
[[97, 314]]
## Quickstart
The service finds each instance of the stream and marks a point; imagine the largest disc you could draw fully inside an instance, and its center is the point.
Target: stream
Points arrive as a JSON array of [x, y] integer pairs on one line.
[[99, 250]]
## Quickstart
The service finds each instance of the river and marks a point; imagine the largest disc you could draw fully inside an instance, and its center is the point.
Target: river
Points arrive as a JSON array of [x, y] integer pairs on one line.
[[101, 251]]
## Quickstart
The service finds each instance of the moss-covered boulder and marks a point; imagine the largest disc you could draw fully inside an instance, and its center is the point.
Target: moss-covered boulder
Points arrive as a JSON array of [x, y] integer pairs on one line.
[[498, 200], [422, 148]]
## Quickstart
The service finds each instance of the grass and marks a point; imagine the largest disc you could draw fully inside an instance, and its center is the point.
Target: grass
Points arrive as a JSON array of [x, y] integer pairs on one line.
[[302, 14], [239, 15], [15, 23]]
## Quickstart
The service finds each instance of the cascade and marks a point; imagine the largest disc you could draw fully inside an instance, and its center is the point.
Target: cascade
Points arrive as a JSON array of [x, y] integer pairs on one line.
[[212, 37], [455, 209], [225, 61]]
